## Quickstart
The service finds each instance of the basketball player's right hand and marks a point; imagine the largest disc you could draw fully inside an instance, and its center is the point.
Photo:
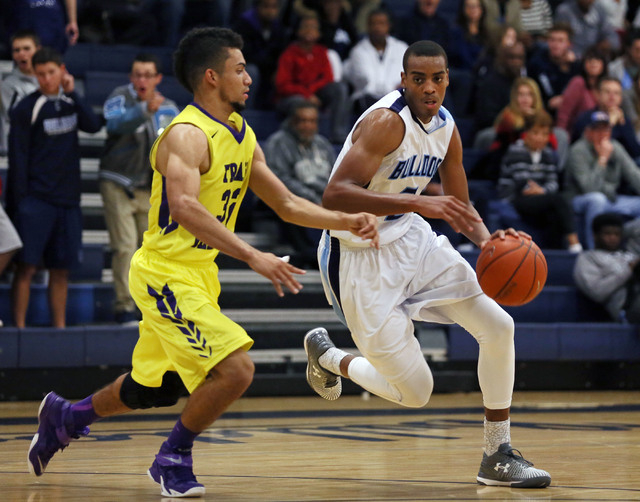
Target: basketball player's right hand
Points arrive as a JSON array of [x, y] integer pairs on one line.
[[450, 209], [502, 234], [277, 270]]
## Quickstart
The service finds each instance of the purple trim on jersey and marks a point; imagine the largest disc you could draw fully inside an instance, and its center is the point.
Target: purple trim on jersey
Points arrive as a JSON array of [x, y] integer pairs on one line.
[[164, 214], [238, 135]]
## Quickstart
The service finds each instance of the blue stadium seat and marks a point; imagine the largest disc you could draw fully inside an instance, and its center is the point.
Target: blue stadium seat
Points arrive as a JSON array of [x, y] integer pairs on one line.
[[400, 8], [99, 84], [559, 341], [263, 122], [84, 57], [172, 89]]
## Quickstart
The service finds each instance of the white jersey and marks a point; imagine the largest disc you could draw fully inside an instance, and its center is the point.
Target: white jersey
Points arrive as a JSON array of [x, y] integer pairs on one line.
[[408, 169]]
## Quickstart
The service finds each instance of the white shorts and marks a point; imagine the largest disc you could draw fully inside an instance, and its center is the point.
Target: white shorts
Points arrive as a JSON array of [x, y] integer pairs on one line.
[[378, 294], [10, 239]]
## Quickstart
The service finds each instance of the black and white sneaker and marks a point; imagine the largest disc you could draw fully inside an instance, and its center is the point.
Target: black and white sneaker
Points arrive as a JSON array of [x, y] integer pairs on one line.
[[326, 384], [506, 467]]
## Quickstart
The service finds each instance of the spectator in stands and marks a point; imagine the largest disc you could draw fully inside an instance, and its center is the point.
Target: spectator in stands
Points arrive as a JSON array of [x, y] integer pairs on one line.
[[375, 63], [492, 93], [499, 14], [609, 274], [55, 21], [590, 26], [20, 82], [337, 30], [360, 10], [529, 179], [553, 66], [469, 35], [304, 72], [616, 12], [302, 159], [596, 169], [580, 93], [265, 38], [487, 58], [627, 66], [609, 100], [425, 23], [136, 114], [524, 103], [43, 196], [536, 18]]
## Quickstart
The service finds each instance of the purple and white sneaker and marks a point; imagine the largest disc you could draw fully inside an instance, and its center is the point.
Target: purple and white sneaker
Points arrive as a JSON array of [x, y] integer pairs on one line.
[[55, 432], [174, 473]]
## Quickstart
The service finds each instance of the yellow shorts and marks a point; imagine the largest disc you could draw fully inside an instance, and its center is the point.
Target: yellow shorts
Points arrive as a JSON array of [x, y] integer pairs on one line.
[[182, 328]]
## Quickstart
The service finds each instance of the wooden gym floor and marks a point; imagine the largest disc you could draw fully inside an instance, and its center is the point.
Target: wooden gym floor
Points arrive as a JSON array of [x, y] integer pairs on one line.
[[354, 449]]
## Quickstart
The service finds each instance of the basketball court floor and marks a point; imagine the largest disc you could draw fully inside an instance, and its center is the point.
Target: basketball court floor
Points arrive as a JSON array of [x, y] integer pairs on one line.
[[358, 448]]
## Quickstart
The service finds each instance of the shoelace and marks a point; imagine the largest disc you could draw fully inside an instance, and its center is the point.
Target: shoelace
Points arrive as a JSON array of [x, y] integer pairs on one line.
[[518, 456]]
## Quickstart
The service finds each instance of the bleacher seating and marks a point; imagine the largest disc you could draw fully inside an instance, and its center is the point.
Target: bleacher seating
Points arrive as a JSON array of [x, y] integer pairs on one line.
[[84, 57]]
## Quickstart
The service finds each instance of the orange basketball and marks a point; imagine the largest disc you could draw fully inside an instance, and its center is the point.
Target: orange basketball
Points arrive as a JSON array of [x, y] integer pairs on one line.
[[511, 271]]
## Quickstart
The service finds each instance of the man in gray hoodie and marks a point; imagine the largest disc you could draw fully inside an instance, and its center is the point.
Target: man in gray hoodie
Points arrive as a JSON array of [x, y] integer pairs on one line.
[[20, 82], [135, 114], [302, 159]]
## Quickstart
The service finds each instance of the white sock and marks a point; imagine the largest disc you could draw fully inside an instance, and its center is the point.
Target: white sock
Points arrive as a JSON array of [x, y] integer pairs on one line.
[[495, 434], [330, 360]]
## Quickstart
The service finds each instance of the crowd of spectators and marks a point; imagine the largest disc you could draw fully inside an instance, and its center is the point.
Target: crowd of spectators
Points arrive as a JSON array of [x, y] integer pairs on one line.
[[516, 66]]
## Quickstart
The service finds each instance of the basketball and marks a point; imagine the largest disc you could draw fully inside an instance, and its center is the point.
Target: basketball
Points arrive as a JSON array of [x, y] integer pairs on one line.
[[511, 271]]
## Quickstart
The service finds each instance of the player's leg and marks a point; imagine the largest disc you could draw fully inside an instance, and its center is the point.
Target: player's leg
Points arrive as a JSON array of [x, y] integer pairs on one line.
[[119, 214], [58, 290], [207, 349], [399, 373], [367, 290], [493, 329]]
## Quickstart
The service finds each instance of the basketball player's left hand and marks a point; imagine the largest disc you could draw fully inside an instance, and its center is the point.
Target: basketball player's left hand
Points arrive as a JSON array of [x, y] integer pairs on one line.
[[502, 234], [365, 226]]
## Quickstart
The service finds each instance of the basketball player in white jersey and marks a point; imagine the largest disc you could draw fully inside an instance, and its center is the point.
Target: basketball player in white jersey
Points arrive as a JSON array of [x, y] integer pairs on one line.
[[391, 154]]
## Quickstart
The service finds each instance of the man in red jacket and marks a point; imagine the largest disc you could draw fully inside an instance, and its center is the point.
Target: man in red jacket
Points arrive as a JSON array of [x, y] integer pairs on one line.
[[304, 72]]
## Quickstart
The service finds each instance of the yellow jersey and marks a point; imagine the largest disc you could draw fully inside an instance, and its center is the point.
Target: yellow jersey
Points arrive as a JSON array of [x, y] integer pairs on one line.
[[222, 187]]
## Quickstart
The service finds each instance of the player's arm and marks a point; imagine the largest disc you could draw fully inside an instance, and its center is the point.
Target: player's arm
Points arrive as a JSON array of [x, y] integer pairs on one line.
[[379, 134], [299, 211], [454, 182], [183, 155]]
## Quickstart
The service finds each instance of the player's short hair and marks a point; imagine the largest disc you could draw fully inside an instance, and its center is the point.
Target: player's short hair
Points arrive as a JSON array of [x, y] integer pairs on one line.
[[606, 220], [147, 57], [607, 78], [46, 55], [201, 49], [20, 34], [424, 48]]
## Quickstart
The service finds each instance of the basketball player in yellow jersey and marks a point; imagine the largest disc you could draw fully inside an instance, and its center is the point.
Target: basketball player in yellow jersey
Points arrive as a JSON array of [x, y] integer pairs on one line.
[[203, 164]]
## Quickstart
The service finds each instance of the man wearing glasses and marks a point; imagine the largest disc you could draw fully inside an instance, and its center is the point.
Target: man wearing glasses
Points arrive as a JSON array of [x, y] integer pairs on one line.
[[135, 114]]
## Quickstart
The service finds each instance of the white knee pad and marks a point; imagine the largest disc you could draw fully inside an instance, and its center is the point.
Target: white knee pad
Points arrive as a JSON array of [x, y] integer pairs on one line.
[[413, 392]]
